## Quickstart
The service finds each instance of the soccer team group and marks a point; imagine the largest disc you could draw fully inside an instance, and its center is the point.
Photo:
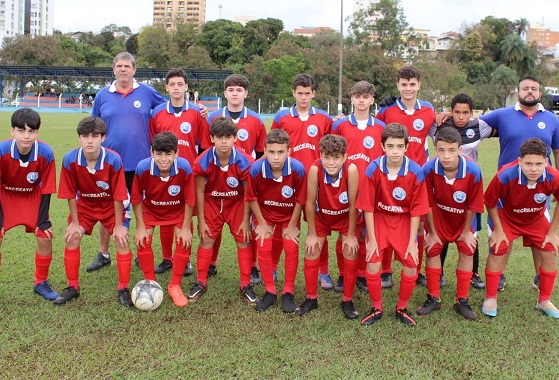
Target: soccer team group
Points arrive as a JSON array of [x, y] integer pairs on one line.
[[367, 178]]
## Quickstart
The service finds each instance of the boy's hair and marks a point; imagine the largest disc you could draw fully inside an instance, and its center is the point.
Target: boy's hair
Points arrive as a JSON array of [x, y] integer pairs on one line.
[[165, 142], [462, 99], [408, 72], [175, 73], [533, 146], [449, 135], [332, 144], [277, 136], [303, 80], [223, 126], [363, 87], [26, 116], [396, 131], [236, 80], [91, 124], [125, 56], [529, 77]]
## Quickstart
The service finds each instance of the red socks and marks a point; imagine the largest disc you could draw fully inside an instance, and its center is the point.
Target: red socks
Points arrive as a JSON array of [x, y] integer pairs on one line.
[[339, 256], [203, 264], [433, 281], [72, 266], [375, 289], [145, 257], [547, 280], [407, 284], [310, 270], [215, 249], [324, 258], [182, 256], [350, 278], [42, 264], [124, 265], [463, 279], [166, 235], [265, 261], [244, 256], [291, 263], [492, 283]]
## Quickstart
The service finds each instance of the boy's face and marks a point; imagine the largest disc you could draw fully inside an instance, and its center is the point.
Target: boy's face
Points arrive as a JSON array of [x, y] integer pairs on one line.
[[448, 154], [461, 114], [235, 95], [408, 88], [362, 102], [176, 87], [276, 154], [303, 96], [332, 162], [532, 165], [164, 160], [395, 149], [91, 143], [224, 144], [25, 138]]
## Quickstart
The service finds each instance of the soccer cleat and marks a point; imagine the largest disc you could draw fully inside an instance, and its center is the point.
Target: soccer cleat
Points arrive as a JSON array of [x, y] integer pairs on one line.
[[428, 306], [386, 280], [548, 309], [349, 310], [421, 280], [326, 281], [536, 283], [477, 282], [255, 276], [268, 300], [249, 295], [361, 284], [373, 316], [176, 294], [442, 280], [404, 316], [339, 286], [212, 270], [463, 308], [188, 271], [288, 303], [307, 306], [46, 291], [502, 283], [196, 291], [125, 298], [489, 307], [163, 267], [68, 294], [99, 262]]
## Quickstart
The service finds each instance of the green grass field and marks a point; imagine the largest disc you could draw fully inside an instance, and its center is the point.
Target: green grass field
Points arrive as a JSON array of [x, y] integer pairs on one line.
[[219, 336]]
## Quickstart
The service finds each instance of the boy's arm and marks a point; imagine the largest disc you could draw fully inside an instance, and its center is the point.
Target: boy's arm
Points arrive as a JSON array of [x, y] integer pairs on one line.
[[310, 210], [203, 229], [353, 185], [372, 246], [498, 234], [466, 235], [120, 233]]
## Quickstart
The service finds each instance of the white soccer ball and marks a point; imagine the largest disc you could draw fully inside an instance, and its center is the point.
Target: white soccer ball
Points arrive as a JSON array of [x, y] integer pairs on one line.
[[147, 295]]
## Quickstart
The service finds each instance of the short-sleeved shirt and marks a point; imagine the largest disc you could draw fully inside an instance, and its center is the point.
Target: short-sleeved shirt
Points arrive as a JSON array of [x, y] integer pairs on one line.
[[251, 131], [451, 199], [96, 189], [277, 196], [304, 135], [471, 135], [514, 127], [363, 141], [188, 125], [163, 198], [420, 123], [127, 119]]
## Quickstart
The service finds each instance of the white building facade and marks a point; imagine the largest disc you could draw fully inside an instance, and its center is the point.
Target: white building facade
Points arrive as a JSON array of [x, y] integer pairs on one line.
[[33, 17]]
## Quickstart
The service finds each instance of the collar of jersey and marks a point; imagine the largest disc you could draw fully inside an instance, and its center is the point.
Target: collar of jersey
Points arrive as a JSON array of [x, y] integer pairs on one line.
[[403, 107], [461, 168], [225, 112], [112, 87], [328, 179], [171, 109], [353, 120], [100, 160], [154, 170], [522, 180], [267, 168], [541, 108], [294, 112], [34, 153], [404, 169], [232, 156]]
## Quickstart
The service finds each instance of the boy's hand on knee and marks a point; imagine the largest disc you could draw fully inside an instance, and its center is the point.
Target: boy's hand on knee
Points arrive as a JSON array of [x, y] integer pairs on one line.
[[552, 239]]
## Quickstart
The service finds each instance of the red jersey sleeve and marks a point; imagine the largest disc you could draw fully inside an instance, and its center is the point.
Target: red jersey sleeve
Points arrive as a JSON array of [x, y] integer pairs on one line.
[[367, 193], [48, 183], [475, 203], [420, 203], [137, 190], [190, 190], [119, 185], [68, 188], [493, 192]]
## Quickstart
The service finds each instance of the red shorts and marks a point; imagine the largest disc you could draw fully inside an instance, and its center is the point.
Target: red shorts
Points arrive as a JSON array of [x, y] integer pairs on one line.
[[20, 210], [398, 255], [532, 234], [217, 213], [88, 222], [462, 248], [392, 232]]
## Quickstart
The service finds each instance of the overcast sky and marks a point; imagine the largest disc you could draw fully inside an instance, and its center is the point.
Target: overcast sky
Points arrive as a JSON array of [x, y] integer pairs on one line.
[[437, 15]]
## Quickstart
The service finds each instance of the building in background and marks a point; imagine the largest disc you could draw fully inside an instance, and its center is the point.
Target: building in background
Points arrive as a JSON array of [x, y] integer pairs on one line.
[[171, 12], [33, 17], [542, 36], [359, 5], [309, 31]]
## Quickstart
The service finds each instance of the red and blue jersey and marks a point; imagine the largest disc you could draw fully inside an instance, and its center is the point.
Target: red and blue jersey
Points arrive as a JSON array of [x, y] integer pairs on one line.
[[332, 199], [223, 182], [514, 127], [304, 135], [95, 189], [251, 131], [420, 123], [163, 198], [363, 142], [127, 119], [277, 196], [451, 199], [188, 125], [518, 201]]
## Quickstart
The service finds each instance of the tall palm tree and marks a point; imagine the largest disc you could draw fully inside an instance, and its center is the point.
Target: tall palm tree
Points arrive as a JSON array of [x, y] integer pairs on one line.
[[521, 26]]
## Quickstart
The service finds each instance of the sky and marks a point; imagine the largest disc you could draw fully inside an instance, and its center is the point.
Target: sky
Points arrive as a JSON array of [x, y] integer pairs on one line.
[[437, 15]]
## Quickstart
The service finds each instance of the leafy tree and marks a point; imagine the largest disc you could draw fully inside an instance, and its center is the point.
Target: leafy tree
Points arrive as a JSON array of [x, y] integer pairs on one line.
[[185, 35], [37, 50], [260, 34], [282, 71], [521, 26], [517, 55], [132, 44], [155, 47], [223, 39], [505, 80]]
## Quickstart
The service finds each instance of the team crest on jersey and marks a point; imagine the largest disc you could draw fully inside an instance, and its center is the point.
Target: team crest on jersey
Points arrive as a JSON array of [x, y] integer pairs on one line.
[[185, 127], [32, 177], [102, 185], [232, 181], [368, 142], [312, 130], [541, 125], [343, 198], [242, 134], [174, 190], [399, 194], [137, 104], [287, 192], [418, 124], [540, 197], [459, 196], [470, 133]]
